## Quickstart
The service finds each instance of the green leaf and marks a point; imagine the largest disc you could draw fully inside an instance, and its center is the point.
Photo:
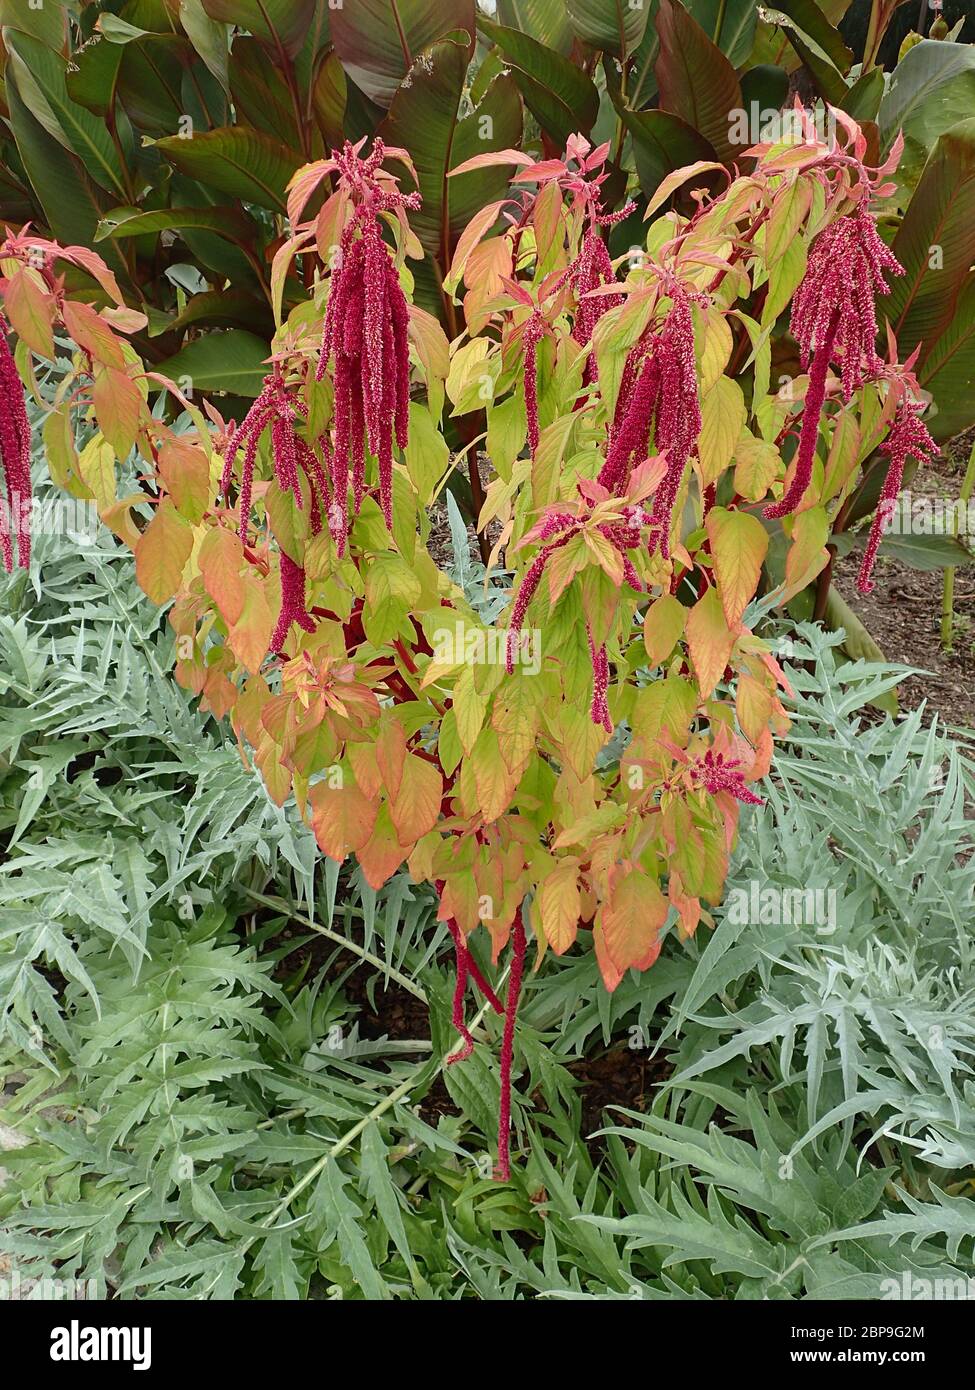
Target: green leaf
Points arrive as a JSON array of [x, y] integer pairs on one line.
[[730, 24], [378, 41], [424, 119], [559, 95], [931, 89], [92, 80], [84, 132], [72, 205], [227, 222], [233, 361], [281, 25], [932, 305], [662, 142], [234, 160], [347, 1219], [612, 26], [857, 643], [696, 81], [926, 553], [816, 35], [545, 20]]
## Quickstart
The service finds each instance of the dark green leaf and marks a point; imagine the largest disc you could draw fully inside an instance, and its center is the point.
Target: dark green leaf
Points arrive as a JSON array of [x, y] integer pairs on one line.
[[696, 81], [233, 361], [243, 163], [559, 95], [379, 40]]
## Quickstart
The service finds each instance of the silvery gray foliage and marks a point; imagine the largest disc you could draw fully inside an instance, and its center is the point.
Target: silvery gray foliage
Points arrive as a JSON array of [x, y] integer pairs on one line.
[[188, 1076]]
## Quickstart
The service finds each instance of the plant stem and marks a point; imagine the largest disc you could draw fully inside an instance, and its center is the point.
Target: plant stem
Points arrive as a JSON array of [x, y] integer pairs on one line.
[[948, 593], [719, 22], [279, 905]]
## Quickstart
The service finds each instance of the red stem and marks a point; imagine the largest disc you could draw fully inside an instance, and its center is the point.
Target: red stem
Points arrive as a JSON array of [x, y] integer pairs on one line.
[[507, 1048]]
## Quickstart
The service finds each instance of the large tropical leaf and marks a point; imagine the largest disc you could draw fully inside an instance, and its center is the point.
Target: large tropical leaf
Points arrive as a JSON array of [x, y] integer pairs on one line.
[[424, 118], [378, 40], [662, 142], [613, 26], [545, 20], [559, 95], [41, 75], [233, 361], [70, 202], [930, 90], [280, 24], [932, 306], [236, 161], [696, 81], [227, 222]]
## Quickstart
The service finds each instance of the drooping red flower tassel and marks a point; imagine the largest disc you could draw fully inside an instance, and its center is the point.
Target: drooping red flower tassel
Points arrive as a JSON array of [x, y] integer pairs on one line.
[[293, 608], [518, 944], [908, 437], [659, 396], [365, 335], [834, 319], [590, 271], [533, 331], [15, 510], [279, 407]]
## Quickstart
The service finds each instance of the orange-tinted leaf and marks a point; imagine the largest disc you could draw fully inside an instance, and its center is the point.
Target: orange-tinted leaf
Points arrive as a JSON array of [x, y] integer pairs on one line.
[[739, 543], [30, 310], [221, 559], [663, 625], [118, 406], [382, 854], [560, 906], [416, 808], [91, 332], [341, 817], [631, 918], [709, 641], [163, 549]]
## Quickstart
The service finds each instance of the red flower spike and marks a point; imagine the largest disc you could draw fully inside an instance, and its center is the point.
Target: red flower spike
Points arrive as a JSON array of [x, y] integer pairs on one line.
[[293, 608], [365, 344], [908, 437], [716, 774], [15, 509], [834, 319], [534, 329], [659, 396], [507, 1046]]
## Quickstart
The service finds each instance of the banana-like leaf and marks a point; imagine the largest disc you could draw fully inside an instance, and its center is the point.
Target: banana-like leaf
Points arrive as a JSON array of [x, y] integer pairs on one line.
[[236, 161], [233, 361], [545, 20], [378, 41], [558, 94], [281, 25], [696, 81], [857, 643], [71, 203], [933, 304], [612, 26], [930, 90], [424, 119], [83, 132]]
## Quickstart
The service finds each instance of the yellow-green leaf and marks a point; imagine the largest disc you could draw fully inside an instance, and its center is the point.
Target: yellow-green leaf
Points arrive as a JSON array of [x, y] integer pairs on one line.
[[709, 641], [739, 543], [163, 549], [662, 627]]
